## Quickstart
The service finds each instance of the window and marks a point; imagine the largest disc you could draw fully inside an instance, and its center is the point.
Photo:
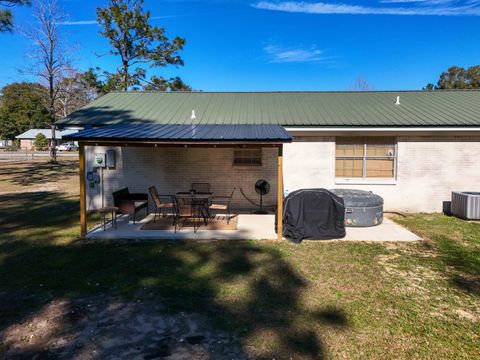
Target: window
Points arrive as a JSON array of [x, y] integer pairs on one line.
[[365, 157], [249, 157]]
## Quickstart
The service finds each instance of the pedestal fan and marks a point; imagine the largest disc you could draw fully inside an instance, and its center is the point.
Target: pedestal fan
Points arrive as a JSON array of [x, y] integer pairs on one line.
[[262, 187]]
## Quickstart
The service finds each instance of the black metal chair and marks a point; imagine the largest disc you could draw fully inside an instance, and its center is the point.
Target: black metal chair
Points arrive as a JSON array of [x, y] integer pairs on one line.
[[185, 208], [221, 203]]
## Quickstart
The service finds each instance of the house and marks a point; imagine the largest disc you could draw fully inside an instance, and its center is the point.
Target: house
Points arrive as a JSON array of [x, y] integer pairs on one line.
[[411, 147], [27, 138], [5, 143]]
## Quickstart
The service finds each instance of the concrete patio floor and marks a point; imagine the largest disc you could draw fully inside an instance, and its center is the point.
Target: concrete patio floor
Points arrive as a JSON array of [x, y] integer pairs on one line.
[[250, 227], [388, 230]]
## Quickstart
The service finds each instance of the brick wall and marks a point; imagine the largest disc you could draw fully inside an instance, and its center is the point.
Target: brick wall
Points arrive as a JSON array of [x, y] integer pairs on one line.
[[428, 169], [26, 144], [174, 169]]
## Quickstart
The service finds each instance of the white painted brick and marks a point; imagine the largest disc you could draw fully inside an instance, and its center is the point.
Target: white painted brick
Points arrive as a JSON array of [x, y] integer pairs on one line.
[[173, 169], [428, 169]]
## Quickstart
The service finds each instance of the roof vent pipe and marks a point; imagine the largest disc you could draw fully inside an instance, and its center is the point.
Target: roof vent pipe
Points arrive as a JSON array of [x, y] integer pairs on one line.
[[398, 101], [193, 117]]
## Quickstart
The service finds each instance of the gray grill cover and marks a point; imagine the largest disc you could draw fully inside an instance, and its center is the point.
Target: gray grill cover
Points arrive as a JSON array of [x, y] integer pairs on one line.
[[315, 214]]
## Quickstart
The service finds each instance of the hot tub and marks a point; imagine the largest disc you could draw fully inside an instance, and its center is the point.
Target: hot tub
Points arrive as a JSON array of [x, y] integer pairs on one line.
[[362, 208]]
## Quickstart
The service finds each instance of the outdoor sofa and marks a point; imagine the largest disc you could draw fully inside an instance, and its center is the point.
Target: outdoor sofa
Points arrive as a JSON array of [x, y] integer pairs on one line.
[[129, 203]]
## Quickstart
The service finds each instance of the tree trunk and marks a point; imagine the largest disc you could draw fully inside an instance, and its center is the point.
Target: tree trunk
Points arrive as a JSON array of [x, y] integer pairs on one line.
[[125, 76], [53, 150], [51, 91], [53, 144]]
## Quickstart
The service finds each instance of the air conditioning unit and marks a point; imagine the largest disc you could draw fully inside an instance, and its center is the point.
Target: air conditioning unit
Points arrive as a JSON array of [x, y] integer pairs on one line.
[[466, 204]]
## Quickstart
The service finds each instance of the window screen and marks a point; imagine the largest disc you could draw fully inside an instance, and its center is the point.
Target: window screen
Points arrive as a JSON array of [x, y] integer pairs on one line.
[[248, 157], [365, 157]]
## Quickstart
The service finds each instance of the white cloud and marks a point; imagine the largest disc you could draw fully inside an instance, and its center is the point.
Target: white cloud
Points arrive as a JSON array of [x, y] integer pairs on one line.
[[280, 54], [467, 9], [168, 16], [420, 2], [80, 22], [94, 22], [402, 1]]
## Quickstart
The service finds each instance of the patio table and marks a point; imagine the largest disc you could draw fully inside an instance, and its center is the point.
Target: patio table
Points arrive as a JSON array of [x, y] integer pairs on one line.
[[200, 196], [200, 199]]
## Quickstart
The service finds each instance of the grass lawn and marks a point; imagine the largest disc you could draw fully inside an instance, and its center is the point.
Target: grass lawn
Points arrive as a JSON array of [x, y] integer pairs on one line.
[[275, 300]]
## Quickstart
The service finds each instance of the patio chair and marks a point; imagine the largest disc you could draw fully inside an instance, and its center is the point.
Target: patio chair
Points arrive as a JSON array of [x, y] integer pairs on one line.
[[199, 187], [221, 203], [185, 208], [161, 202]]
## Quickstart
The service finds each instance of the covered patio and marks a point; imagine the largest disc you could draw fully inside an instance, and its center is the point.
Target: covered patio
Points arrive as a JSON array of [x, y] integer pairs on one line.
[[247, 227], [173, 156]]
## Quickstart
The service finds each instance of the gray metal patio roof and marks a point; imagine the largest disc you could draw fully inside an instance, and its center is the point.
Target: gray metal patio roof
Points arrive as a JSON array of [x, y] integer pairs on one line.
[[185, 133]]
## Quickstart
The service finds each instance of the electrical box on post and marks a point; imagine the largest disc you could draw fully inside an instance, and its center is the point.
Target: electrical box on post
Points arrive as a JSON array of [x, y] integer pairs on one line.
[[110, 158]]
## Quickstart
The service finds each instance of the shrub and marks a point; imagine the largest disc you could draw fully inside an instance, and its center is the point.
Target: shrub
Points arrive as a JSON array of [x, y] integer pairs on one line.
[[40, 142]]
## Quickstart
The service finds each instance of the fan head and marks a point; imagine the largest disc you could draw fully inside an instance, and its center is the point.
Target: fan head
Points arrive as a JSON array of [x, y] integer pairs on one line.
[[262, 187]]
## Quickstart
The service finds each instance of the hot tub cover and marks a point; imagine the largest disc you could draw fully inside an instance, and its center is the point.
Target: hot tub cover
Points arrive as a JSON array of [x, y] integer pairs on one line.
[[358, 198], [315, 214]]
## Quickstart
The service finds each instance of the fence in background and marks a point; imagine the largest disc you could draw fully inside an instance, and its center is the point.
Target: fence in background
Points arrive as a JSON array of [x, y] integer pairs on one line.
[[26, 154]]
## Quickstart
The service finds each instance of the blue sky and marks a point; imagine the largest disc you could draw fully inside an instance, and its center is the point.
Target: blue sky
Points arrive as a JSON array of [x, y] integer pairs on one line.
[[241, 45]]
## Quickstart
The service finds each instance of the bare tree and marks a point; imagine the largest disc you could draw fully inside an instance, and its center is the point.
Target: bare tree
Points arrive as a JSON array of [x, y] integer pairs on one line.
[[73, 92], [361, 84], [50, 55]]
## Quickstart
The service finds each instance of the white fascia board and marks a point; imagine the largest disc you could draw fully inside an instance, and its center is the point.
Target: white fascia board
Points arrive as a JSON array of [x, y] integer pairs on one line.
[[382, 129]]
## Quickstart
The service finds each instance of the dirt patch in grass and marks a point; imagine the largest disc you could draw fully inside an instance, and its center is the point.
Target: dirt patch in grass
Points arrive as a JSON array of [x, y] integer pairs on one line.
[[468, 315], [110, 327], [456, 243]]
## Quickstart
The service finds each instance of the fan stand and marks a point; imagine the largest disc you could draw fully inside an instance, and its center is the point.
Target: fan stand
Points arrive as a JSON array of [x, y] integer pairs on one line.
[[261, 211]]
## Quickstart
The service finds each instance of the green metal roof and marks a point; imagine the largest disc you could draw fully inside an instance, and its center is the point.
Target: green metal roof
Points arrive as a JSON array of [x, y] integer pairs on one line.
[[314, 109]]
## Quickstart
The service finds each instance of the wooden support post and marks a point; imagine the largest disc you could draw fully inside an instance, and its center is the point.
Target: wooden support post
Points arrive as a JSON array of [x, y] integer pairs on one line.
[[83, 197], [280, 193]]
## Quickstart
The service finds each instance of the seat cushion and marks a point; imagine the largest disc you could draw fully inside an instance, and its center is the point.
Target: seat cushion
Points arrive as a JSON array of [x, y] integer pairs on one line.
[[165, 205], [218, 207]]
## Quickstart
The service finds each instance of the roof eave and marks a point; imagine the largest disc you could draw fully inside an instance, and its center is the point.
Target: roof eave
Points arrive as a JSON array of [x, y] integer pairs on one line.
[[120, 141]]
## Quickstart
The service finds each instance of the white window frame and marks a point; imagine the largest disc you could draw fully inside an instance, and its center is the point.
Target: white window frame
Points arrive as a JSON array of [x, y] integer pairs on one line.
[[234, 163], [364, 179]]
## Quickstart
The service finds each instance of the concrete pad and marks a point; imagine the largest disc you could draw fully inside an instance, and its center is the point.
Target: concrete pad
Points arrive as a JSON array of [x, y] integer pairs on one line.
[[250, 227], [388, 230]]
